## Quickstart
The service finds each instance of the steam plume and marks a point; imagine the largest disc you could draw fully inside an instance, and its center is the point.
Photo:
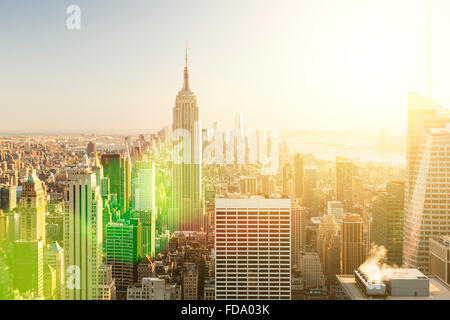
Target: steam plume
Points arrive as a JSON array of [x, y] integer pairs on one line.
[[375, 267]]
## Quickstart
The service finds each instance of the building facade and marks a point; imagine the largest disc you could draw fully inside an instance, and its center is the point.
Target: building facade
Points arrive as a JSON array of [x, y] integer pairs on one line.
[[352, 246], [427, 161], [82, 236], [253, 249], [186, 212]]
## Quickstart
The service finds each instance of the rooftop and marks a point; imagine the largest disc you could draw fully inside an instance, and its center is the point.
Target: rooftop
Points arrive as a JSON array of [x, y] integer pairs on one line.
[[33, 178], [397, 274], [253, 203], [438, 290], [443, 240]]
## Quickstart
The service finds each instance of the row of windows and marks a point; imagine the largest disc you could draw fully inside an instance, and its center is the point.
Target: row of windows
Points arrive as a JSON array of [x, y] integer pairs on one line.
[[251, 211]]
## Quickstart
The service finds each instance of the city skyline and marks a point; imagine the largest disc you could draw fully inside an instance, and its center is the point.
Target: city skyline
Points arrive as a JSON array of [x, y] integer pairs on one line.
[[130, 77], [350, 202]]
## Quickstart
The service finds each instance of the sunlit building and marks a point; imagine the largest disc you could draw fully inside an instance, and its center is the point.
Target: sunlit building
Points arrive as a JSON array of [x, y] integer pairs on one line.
[[253, 249], [309, 190], [428, 208], [32, 210], [247, 185], [311, 269], [352, 246], [426, 192], [82, 236], [8, 198], [344, 182], [186, 206], [298, 223], [298, 175], [29, 267], [326, 231], [400, 284], [336, 209], [387, 221], [54, 257], [440, 258], [144, 202], [122, 249]]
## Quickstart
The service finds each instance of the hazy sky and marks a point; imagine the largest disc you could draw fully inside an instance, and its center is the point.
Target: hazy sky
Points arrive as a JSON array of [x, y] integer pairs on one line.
[[292, 64]]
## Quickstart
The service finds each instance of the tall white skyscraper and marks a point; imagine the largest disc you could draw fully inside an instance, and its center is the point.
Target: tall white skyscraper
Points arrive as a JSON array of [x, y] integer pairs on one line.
[[425, 180], [253, 249], [428, 209], [82, 236]]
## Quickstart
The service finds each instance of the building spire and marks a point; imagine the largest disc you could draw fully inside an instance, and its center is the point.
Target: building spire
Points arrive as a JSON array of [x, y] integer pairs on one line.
[[186, 72], [186, 55]]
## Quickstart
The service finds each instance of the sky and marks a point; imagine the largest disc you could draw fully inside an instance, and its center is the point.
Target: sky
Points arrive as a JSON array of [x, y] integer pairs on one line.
[[290, 64]]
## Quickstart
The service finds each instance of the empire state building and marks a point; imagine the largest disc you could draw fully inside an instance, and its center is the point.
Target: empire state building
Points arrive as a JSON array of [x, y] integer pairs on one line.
[[186, 212]]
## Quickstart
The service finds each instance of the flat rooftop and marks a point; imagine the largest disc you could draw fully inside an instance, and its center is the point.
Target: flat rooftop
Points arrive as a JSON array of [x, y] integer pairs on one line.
[[442, 240], [397, 274], [259, 202], [438, 290]]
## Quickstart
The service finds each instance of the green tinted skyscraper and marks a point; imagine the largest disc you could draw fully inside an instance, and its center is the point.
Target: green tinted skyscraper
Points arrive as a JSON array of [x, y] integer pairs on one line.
[[123, 248]]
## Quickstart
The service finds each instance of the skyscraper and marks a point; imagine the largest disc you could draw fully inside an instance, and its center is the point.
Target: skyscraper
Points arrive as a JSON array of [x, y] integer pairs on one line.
[[186, 213], [423, 114], [286, 176], [91, 147], [32, 210], [440, 258], [122, 249], [29, 267], [309, 190], [117, 169], [6, 279], [387, 221], [54, 256], [344, 182], [8, 198], [325, 234], [253, 249], [190, 281], [352, 247], [298, 175], [97, 168], [82, 236], [144, 199], [107, 284], [425, 161], [427, 211], [311, 269], [248, 185], [144, 186], [336, 208], [332, 264], [298, 217]]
